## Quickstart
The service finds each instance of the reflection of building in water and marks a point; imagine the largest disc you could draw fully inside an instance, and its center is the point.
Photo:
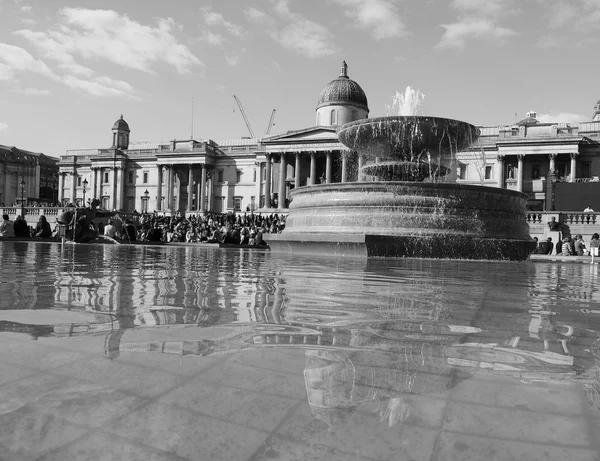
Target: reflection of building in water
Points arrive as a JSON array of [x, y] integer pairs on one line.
[[102, 325]]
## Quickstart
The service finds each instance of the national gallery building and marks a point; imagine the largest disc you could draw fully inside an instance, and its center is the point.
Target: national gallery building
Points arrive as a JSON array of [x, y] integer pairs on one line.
[[258, 174]]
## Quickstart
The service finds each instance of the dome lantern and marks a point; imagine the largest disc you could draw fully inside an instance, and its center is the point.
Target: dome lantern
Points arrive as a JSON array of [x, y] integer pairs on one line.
[[121, 132]]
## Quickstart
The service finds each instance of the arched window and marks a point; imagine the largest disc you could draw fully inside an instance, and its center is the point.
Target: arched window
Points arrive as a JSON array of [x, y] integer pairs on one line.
[[332, 117], [354, 115]]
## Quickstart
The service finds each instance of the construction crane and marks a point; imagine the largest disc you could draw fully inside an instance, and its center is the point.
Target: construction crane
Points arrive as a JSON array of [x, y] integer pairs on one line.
[[239, 103], [271, 123]]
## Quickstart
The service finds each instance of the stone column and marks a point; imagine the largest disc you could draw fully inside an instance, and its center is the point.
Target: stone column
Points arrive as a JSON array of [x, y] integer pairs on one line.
[[501, 171], [159, 189], [297, 170], [282, 178], [73, 187], [61, 188], [202, 204], [268, 182], [190, 188], [113, 195], [259, 177], [344, 166], [120, 188], [573, 156], [520, 172], [328, 167], [169, 189], [210, 193], [313, 168], [552, 167]]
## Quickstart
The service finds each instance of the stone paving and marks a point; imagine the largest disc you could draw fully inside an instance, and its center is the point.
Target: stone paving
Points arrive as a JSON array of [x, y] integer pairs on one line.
[[63, 399]]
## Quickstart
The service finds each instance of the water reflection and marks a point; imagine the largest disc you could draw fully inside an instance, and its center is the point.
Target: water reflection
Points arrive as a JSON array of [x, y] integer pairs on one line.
[[375, 334]]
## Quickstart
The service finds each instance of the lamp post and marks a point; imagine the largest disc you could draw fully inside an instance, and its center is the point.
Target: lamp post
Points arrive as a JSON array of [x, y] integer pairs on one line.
[[84, 184], [22, 184], [147, 196]]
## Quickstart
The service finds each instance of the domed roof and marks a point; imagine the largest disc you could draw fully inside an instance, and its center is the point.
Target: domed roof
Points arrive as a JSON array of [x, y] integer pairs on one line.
[[343, 90], [121, 125]]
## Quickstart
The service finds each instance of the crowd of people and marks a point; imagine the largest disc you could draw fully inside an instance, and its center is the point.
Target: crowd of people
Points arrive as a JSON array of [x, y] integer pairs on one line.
[[240, 229], [568, 246]]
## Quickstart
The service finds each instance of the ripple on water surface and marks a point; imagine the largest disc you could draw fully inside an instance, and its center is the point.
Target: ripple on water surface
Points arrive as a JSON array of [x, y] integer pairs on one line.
[[180, 352]]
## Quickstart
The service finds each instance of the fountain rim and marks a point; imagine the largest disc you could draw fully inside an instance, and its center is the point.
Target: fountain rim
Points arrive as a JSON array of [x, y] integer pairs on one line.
[[382, 185], [399, 118]]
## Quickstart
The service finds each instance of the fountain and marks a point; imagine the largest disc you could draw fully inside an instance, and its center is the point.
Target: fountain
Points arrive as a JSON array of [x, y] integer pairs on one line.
[[412, 205]]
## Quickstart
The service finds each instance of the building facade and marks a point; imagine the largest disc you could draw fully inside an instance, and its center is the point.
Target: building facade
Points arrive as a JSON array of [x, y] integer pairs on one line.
[[28, 177], [188, 176]]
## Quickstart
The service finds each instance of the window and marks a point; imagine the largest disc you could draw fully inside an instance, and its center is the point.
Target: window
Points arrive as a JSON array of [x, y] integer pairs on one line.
[[354, 115], [332, 117], [145, 176], [78, 181], [585, 170], [237, 203], [461, 171], [254, 176], [130, 177], [220, 176], [238, 176], [105, 177], [488, 172], [535, 171]]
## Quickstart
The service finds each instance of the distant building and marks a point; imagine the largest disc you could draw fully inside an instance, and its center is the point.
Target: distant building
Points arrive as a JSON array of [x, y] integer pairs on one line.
[[258, 174], [31, 175], [532, 155]]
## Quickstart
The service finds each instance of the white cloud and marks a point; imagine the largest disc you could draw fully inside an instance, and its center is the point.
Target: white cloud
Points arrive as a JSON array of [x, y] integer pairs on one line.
[[298, 33], [216, 19], [212, 38], [232, 60], [106, 35], [457, 34], [3, 126], [100, 86], [307, 38], [488, 8], [19, 59], [26, 9], [33, 91], [563, 117], [380, 17], [255, 15], [6, 73]]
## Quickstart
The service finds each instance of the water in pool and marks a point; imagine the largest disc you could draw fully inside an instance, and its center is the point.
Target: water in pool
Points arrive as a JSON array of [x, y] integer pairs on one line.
[[189, 353]]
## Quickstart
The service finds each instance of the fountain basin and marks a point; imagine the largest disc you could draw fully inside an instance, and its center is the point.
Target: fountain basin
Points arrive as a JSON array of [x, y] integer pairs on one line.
[[406, 219]]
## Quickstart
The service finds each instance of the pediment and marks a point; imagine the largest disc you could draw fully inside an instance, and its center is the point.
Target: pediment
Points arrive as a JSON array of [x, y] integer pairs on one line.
[[316, 134]]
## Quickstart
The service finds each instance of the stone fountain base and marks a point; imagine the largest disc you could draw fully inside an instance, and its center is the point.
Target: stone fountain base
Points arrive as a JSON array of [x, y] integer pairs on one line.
[[406, 219]]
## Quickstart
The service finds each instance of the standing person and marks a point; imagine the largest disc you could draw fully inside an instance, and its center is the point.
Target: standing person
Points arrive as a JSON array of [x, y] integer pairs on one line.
[[567, 249], [579, 245], [595, 242], [42, 229], [7, 227]]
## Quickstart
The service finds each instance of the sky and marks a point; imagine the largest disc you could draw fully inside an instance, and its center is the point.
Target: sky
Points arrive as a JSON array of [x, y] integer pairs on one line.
[[68, 70]]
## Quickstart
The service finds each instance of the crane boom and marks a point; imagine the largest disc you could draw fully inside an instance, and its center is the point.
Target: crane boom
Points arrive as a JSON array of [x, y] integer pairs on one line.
[[268, 132], [239, 103]]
